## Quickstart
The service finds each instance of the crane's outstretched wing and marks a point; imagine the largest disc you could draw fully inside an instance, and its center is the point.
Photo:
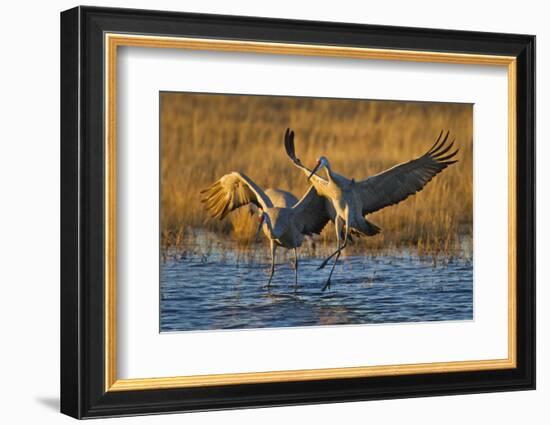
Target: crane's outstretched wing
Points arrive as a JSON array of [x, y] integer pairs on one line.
[[281, 198], [232, 191], [398, 183], [312, 212], [290, 151]]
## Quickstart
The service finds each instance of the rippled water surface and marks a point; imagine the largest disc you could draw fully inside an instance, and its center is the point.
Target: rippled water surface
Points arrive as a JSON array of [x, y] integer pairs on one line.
[[225, 290]]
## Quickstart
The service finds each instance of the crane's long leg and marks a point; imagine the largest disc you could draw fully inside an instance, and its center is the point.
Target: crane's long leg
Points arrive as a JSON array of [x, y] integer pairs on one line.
[[339, 250], [338, 229], [295, 267], [327, 285], [338, 226], [273, 247], [338, 233]]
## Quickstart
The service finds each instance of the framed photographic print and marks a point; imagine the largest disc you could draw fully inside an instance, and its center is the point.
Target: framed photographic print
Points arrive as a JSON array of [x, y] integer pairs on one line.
[[261, 212]]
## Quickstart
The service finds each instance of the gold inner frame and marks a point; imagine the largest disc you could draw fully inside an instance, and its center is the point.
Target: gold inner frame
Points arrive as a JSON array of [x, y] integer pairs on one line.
[[113, 41]]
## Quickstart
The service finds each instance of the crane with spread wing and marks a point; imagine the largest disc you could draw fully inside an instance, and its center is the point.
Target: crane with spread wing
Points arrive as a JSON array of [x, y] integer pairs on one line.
[[352, 200]]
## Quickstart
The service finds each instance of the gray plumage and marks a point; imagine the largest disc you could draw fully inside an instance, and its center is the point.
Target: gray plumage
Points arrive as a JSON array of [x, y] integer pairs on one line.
[[283, 219], [353, 200], [281, 198]]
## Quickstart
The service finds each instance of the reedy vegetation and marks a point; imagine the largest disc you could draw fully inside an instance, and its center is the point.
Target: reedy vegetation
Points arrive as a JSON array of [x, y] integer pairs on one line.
[[206, 136]]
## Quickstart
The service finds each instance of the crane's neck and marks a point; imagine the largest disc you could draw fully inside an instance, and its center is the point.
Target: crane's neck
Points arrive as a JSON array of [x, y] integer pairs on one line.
[[328, 168]]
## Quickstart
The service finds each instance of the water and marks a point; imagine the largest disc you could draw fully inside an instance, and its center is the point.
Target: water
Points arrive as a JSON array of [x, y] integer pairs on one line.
[[224, 289]]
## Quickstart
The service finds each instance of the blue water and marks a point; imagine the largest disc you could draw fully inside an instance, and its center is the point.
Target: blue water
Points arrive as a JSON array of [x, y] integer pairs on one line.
[[204, 292]]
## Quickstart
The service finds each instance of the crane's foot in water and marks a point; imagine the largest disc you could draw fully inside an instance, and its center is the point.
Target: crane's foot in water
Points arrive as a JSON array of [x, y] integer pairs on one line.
[[327, 285]]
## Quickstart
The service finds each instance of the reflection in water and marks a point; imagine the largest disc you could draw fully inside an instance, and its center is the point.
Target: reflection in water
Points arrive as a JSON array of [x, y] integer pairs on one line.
[[333, 315], [213, 286]]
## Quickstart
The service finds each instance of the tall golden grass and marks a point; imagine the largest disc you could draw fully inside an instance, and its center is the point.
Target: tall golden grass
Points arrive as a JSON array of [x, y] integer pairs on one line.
[[204, 136]]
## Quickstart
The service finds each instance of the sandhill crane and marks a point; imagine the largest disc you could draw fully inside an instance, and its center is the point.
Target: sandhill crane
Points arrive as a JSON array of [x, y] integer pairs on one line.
[[352, 200], [280, 198], [285, 225]]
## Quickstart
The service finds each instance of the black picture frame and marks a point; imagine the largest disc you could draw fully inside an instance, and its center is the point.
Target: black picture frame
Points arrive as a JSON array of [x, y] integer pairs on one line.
[[82, 218]]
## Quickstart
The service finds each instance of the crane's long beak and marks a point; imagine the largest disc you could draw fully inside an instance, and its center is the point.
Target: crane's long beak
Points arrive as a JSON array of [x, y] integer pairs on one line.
[[314, 170], [261, 219]]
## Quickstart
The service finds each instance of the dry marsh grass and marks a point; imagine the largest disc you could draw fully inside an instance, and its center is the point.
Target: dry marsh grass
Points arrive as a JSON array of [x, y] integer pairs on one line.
[[205, 136]]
